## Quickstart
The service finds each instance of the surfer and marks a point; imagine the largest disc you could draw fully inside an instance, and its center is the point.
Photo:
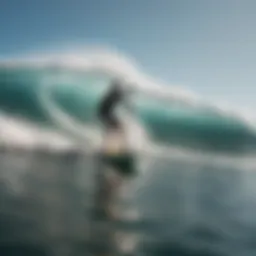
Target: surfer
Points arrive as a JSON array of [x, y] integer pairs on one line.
[[107, 108], [116, 143]]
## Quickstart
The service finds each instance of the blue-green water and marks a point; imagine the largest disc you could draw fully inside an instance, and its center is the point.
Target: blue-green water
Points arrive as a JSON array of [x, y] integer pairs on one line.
[[191, 204], [79, 93]]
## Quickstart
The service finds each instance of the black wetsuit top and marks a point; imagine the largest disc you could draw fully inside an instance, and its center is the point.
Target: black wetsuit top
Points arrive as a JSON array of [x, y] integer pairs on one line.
[[107, 106]]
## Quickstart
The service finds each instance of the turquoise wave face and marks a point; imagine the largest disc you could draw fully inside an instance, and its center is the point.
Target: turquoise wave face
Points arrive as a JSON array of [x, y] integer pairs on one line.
[[79, 94]]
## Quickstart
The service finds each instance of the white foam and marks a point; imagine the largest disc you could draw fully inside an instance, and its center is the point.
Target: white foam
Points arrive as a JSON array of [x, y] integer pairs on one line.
[[114, 64], [17, 132]]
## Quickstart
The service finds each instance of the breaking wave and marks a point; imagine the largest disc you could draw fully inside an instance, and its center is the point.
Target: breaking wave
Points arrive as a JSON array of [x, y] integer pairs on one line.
[[60, 92]]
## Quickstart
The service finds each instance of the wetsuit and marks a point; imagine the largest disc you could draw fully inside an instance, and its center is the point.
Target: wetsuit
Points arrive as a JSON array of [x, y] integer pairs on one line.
[[106, 110]]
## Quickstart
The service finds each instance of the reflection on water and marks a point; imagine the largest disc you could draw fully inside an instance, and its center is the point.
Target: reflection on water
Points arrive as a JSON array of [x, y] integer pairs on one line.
[[43, 199], [186, 208]]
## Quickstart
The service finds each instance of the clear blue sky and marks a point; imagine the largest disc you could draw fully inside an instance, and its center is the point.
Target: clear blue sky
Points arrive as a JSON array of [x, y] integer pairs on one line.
[[208, 46]]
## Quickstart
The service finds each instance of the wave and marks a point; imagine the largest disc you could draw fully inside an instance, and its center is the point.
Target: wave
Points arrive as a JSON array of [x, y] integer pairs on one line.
[[61, 92]]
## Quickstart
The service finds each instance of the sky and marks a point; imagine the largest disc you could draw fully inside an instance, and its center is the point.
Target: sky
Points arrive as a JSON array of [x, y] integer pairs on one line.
[[207, 46]]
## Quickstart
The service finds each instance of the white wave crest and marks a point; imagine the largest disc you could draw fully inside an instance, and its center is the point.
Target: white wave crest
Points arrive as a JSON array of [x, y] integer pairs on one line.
[[114, 64]]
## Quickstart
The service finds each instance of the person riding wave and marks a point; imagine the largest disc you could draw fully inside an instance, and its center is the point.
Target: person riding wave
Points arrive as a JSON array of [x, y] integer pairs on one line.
[[116, 142], [116, 95]]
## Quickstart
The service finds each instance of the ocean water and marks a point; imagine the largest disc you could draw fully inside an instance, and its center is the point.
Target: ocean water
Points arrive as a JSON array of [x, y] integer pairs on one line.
[[51, 92], [187, 206], [195, 196]]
